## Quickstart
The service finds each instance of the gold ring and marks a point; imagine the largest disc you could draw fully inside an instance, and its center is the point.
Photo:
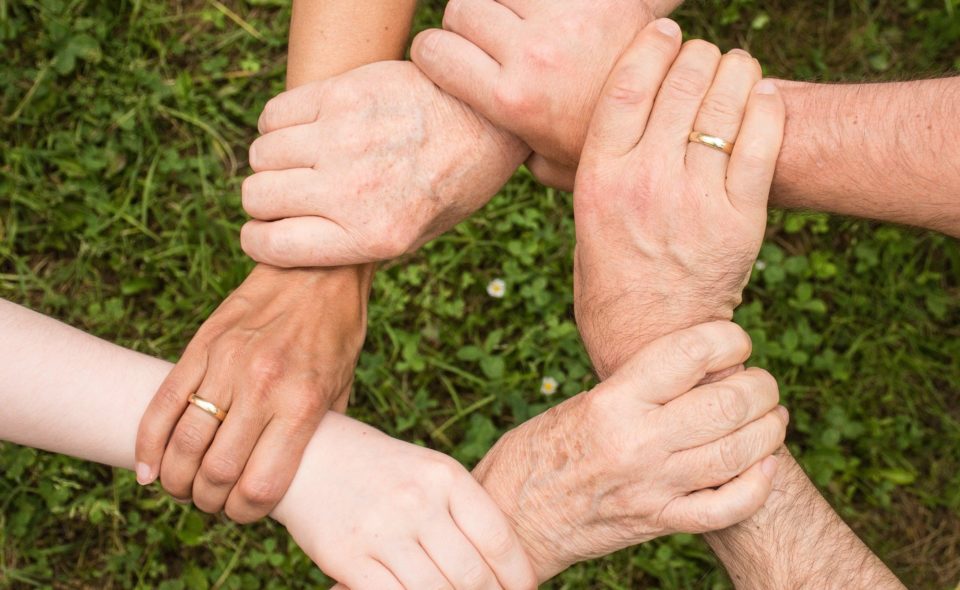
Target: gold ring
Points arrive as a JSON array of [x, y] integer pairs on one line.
[[207, 407], [712, 141]]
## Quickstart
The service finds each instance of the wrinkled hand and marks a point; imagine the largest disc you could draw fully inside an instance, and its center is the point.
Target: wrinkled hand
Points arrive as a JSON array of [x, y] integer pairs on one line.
[[276, 354], [639, 456], [534, 68], [379, 514], [367, 166], [668, 230]]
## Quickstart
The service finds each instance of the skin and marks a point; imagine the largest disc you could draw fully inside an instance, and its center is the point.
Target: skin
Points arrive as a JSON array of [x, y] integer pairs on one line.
[[383, 498], [796, 540], [281, 350], [512, 67]]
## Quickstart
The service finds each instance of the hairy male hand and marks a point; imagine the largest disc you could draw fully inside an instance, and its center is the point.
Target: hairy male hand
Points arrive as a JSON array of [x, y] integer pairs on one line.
[[368, 166], [276, 354], [646, 453]]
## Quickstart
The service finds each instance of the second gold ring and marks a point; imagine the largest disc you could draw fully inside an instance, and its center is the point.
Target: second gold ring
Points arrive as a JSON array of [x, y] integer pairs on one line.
[[208, 407]]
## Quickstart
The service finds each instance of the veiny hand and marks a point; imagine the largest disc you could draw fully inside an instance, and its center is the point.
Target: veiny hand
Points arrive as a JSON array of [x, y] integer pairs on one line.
[[639, 456], [534, 68], [668, 230], [378, 514], [276, 354], [368, 166]]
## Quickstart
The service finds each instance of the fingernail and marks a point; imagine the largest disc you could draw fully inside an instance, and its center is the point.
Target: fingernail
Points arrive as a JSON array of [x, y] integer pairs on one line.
[[765, 87], [179, 501], [769, 466], [738, 52], [145, 475], [668, 27], [784, 414]]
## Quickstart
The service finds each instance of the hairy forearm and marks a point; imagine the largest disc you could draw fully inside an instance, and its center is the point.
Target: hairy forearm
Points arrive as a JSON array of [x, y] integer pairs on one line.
[[798, 541], [880, 151]]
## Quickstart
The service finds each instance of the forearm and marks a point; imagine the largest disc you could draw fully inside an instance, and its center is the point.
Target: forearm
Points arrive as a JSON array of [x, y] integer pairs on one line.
[[331, 37], [798, 541], [881, 151], [65, 391]]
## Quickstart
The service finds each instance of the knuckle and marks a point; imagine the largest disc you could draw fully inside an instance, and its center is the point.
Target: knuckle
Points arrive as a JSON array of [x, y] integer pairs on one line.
[[730, 459], [701, 49], [221, 470], [511, 99], [265, 369], [692, 348], [686, 83], [541, 56], [499, 543], [258, 491], [475, 576], [410, 496], [627, 88], [189, 439], [722, 107], [731, 404]]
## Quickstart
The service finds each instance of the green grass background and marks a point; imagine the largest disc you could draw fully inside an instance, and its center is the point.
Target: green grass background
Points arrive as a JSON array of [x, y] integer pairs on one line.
[[123, 134]]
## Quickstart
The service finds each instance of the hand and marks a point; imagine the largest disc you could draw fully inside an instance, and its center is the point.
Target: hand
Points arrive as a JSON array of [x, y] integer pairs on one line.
[[639, 455], [367, 166], [379, 514], [668, 230], [534, 68], [275, 355]]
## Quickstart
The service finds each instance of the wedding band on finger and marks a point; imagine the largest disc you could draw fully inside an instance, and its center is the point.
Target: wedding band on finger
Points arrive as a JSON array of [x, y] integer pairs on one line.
[[712, 141], [208, 407]]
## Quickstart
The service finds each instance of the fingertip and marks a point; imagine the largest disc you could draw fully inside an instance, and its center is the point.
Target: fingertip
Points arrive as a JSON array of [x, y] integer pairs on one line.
[[667, 27], [146, 474], [425, 46]]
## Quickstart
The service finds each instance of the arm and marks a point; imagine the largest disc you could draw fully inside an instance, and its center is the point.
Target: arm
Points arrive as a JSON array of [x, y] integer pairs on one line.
[[281, 350], [665, 276], [881, 151], [65, 391]]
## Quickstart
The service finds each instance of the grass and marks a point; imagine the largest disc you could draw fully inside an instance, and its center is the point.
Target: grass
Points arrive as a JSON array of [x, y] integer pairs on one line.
[[123, 134]]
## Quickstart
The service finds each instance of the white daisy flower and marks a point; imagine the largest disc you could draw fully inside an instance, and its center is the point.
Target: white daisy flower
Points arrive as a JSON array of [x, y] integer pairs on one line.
[[760, 265], [548, 386], [497, 288]]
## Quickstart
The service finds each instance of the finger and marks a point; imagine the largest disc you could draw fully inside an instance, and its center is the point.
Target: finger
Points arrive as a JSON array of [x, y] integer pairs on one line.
[[412, 567], [456, 557], [523, 8], [165, 410], [224, 461], [486, 527], [674, 364], [754, 157], [276, 194], [711, 510], [298, 106], [717, 463], [550, 173], [628, 97], [271, 468], [301, 242], [722, 113], [711, 412], [191, 438], [370, 574], [681, 95], [459, 68], [289, 147], [491, 26]]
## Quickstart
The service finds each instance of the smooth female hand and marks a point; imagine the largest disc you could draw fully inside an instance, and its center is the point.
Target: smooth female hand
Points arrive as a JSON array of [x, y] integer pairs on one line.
[[668, 230], [534, 68], [379, 514], [276, 355], [646, 453], [368, 166]]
